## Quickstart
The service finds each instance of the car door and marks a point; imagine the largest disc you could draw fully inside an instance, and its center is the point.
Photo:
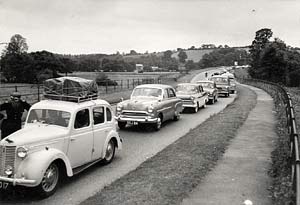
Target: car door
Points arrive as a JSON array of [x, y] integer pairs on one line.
[[204, 96], [165, 105], [102, 124], [173, 100], [81, 139]]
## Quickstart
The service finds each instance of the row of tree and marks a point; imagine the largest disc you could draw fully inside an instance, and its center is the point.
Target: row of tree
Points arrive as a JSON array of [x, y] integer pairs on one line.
[[274, 60], [224, 57], [19, 66]]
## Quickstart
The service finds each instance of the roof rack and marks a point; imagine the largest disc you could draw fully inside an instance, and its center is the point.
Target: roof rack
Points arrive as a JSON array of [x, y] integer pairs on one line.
[[69, 98]]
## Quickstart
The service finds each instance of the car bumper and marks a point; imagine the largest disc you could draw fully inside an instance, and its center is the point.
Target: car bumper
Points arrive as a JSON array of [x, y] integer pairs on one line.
[[189, 105], [132, 119], [18, 181]]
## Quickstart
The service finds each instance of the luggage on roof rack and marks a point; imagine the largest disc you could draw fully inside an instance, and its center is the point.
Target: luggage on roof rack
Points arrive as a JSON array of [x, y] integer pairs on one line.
[[72, 89]]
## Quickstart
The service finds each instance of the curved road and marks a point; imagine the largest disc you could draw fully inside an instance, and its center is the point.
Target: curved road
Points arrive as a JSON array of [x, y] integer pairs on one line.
[[138, 146]]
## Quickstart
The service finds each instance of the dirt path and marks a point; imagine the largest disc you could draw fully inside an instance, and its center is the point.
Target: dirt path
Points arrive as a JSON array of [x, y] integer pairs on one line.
[[242, 173]]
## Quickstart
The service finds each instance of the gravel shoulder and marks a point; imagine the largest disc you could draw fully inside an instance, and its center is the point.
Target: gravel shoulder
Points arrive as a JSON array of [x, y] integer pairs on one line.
[[169, 176]]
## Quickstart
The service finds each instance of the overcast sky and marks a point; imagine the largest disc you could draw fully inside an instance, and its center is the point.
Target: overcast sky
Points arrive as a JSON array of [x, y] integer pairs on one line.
[[108, 26]]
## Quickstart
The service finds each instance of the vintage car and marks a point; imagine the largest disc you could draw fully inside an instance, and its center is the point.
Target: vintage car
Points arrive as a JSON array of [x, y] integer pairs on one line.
[[211, 89], [232, 87], [149, 104], [59, 138], [193, 96], [222, 83]]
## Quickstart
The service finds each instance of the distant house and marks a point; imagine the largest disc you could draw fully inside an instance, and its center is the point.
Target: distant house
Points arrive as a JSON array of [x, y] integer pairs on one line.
[[139, 68]]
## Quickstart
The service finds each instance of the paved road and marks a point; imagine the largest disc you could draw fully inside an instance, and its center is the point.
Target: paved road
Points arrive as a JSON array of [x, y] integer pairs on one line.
[[138, 146]]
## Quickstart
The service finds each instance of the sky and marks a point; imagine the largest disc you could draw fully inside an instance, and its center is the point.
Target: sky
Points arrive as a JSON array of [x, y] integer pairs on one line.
[[110, 26]]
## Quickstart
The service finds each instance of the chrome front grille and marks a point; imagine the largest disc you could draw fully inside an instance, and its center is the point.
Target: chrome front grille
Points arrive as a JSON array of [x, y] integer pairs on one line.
[[134, 114], [7, 157]]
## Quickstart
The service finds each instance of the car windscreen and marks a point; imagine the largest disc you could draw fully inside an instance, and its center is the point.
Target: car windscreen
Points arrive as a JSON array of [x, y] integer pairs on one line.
[[146, 92], [206, 85], [220, 80], [186, 89], [48, 116]]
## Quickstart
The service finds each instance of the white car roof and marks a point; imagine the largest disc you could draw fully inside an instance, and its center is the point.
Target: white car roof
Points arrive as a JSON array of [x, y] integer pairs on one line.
[[67, 106], [160, 86]]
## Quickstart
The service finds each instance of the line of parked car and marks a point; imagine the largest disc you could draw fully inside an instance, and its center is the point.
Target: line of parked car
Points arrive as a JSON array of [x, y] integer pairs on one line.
[[47, 148], [152, 104]]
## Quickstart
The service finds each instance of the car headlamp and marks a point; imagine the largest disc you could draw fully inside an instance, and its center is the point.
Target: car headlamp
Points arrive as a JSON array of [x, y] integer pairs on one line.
[[150, 109], [22, 152], [8, 170], [192, 98], [119, 108]]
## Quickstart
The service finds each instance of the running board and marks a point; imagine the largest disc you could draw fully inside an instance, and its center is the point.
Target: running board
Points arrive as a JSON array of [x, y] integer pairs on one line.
[[85, 166]]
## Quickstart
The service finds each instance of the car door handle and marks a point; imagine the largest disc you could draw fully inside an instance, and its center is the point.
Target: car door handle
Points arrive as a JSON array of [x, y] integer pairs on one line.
[[73, 139]]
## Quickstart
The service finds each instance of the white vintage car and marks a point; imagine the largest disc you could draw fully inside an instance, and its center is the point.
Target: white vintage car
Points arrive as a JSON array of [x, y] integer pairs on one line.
[[193, 96], [59, 138]]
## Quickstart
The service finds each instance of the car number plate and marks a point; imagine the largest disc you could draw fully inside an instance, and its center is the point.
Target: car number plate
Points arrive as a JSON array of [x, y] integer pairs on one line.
[[133, 122], [3, 185]]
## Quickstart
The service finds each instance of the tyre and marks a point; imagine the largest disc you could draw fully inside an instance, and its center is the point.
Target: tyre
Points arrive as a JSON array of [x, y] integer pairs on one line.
[[176, 116], [196, 109], [157, 125], [109, 152], [204, 106], [122, 125], [50, 181], [212, 101]]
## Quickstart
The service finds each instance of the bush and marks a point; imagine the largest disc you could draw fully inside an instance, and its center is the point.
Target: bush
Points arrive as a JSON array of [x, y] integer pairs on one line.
[[294, 78], [103, 80]]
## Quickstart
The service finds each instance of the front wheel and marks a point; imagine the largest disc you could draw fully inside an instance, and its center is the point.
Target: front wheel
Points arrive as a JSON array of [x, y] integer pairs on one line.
[[176, 116], [157, 125], [49, 182], [110, 152], [196, 108]]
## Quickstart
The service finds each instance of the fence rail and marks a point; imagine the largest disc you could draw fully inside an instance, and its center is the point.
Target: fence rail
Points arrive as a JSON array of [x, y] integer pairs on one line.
[[291, 126], [34, 92]]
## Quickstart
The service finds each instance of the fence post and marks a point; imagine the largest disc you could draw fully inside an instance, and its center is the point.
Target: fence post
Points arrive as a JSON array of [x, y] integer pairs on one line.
[[16, 88], [132, 83], [128, 83], [121, 84], [106, 85], [38, 87]]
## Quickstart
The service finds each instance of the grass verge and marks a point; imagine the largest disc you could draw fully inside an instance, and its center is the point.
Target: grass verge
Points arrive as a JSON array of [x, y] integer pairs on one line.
[[169, 176]]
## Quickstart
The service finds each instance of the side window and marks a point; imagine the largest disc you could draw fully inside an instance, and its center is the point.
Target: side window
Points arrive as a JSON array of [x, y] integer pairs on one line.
[[201, 89], [108, 114], [166, 94], [98, 115], [82, 119], [171, 93]]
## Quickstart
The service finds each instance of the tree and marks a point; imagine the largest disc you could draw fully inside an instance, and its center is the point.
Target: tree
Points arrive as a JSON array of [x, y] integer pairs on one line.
[[167, 55], [182, 56], [44, 63], [133, 52], [261, 40], [17, 45], [190, 65], [16, 68]]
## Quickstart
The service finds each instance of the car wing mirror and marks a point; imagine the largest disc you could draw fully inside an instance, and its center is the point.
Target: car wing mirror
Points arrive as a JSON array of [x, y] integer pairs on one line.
[[121, 99]]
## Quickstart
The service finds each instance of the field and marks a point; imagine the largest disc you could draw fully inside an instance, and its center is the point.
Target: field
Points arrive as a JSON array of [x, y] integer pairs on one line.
[[124, 81]]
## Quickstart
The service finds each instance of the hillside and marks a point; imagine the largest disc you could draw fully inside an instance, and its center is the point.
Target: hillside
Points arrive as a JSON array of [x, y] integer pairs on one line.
[[194, 55]]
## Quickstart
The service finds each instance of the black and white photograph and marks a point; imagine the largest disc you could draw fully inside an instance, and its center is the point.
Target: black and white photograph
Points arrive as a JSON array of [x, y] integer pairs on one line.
[[149, 102]]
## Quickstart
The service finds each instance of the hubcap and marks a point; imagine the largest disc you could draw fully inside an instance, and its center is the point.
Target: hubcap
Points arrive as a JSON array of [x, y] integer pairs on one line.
[[109, 151], [50, 178], [158, 124]]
